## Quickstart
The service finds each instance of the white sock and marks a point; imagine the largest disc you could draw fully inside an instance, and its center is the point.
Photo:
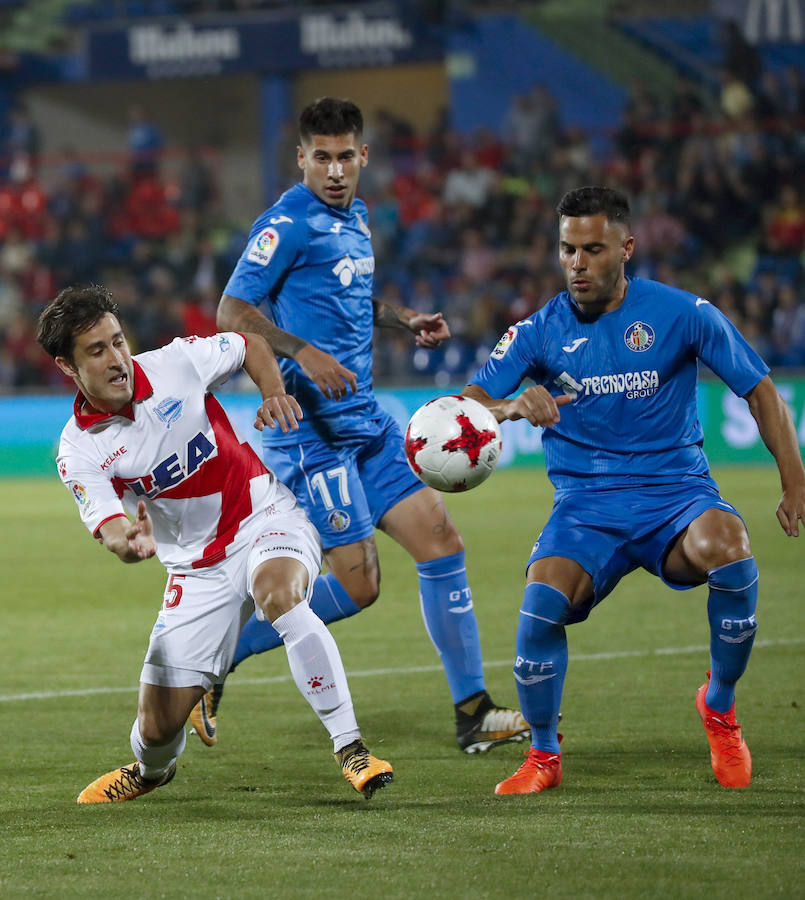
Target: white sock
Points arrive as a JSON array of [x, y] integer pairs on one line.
[[155, 760], [319, 674]]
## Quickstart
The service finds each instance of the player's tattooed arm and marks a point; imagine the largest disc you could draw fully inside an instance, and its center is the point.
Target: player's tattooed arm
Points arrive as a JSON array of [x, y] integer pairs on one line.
[[238, 315], [777, 429], [535, 404], [277, 408], [430, 328], [323, 369]]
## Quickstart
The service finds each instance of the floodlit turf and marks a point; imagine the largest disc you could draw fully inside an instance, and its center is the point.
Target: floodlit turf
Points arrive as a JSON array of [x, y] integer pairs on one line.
[[266, 812]]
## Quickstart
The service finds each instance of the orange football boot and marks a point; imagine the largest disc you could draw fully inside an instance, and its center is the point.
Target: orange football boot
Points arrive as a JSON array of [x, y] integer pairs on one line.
[[540, 771], [729, 755]]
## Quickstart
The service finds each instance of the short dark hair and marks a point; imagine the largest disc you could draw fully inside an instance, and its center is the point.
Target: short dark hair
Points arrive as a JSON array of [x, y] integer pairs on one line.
[[328, 115], [74, 311], [596, 201]]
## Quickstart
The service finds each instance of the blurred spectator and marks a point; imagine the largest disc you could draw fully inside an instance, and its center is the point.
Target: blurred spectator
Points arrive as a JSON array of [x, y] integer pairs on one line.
[[531, 125], [463, 224], [469, 183], [144, 140], [196, 184], [736, 98], [785, 224], [22, 143], [741, 59]]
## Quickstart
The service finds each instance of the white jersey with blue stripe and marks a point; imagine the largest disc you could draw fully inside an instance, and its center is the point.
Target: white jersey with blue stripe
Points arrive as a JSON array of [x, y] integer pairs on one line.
[[311, 266], [632, 375]]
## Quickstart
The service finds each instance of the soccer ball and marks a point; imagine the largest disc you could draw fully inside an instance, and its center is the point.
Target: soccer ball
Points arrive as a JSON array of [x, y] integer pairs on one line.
[[453, 443]]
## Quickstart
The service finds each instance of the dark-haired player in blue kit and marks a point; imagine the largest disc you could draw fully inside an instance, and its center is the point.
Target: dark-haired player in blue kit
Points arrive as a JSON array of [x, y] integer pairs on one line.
[[614, 361], [308, 265]]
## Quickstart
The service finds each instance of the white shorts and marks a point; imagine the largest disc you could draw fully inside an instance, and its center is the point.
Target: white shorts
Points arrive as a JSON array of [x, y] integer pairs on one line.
[[196, 632]]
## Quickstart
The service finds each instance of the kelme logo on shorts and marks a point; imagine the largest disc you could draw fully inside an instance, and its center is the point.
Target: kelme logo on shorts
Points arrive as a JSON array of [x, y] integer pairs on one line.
[[639, 337]]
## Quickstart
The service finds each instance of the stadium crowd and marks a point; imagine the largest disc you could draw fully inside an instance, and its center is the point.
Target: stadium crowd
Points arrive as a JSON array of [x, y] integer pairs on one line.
[[461, 224]]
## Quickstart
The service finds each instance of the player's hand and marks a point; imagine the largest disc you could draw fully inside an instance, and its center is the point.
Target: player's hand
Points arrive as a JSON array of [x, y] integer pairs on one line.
[[431, 329], [140, 533], [282, 410], [326, 372], [791, 511], [537, 405]]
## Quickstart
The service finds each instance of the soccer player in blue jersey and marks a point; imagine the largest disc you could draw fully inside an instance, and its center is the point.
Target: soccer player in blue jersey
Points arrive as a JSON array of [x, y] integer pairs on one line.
[[614, 364], [304, 282]]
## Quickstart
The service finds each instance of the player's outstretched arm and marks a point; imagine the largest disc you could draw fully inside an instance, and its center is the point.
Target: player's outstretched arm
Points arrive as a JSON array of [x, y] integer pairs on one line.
[[130, 541], [324, 370], [535, 404], [277, 408], [431, 329], [776, 427]]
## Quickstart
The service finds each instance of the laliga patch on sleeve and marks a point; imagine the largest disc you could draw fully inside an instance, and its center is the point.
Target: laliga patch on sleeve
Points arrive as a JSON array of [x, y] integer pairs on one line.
[[263, 247], [502, 346], [79, 492]]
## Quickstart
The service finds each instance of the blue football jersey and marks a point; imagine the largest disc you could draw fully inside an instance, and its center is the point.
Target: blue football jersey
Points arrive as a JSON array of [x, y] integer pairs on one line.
[[632, 375], [311, 266]]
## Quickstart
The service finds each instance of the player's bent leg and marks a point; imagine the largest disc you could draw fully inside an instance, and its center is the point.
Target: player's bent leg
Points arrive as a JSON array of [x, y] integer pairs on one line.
[[716, 546], [421, 524], [157, 740], [279, 587], [541, 665], [731, 607], [330, 602], [351, 585], [731, 610], [541, 661]]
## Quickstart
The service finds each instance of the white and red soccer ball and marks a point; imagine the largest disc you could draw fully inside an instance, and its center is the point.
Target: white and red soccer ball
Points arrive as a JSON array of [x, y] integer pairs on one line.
[[453, 443]]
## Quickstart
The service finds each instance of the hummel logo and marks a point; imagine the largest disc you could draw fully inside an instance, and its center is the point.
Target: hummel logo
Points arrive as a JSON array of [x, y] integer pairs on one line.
[[700, 300], [575, 345]]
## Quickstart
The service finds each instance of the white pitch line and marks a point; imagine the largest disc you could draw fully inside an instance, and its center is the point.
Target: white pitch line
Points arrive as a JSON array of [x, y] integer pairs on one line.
[[410, 670]]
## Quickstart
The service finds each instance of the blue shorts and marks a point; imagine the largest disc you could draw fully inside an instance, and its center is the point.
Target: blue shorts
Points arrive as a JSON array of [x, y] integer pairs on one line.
[[611, 532], [347, 490]]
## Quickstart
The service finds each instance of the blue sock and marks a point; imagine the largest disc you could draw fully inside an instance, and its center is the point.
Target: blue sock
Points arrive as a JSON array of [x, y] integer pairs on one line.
[[446, 602], [541, 663], [330, 602], [731, 611]]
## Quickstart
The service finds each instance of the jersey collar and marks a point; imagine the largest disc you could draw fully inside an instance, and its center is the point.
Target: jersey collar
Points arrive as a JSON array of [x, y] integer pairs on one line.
[[86, 416]]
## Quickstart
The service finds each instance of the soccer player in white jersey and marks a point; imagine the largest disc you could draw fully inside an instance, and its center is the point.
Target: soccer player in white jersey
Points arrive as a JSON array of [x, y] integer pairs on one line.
[[304, 282], [614, 365], [148, 439]]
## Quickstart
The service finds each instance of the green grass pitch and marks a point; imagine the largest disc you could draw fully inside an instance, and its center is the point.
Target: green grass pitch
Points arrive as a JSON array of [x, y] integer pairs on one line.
[[266, 813]]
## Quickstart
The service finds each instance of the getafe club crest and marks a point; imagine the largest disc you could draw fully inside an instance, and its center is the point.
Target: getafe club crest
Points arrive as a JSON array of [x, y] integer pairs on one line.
[[338, 520], [639, 337], [169, 410]]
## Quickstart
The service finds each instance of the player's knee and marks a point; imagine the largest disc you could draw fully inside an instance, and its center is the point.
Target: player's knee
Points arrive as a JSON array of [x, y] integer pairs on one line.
[[278, 600], [363, 587], [715, 541], [446, 541]]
